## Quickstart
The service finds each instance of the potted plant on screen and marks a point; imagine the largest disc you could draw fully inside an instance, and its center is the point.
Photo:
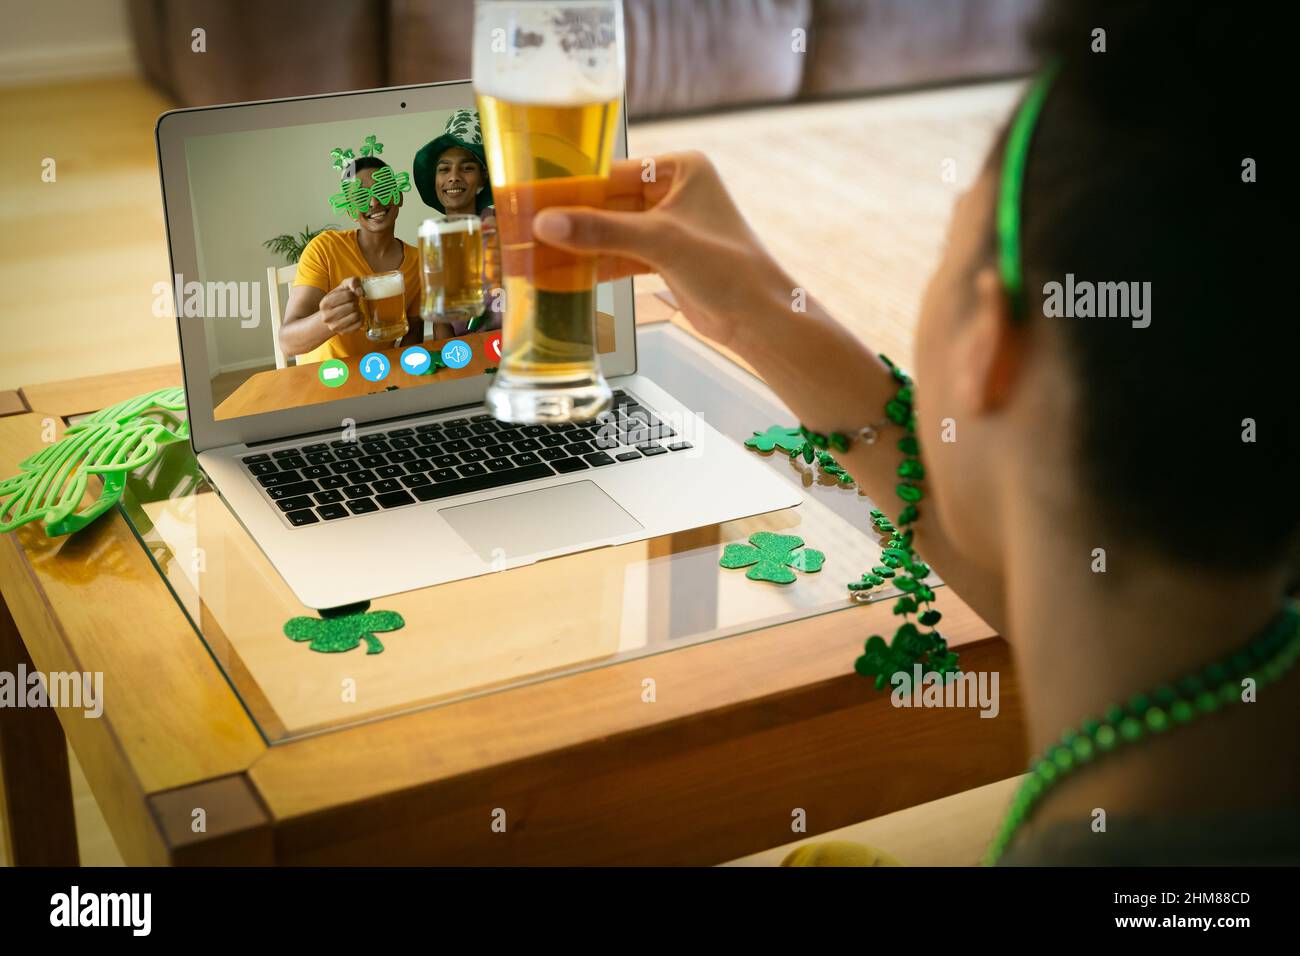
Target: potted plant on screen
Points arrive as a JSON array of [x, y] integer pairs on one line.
[[291, 246]]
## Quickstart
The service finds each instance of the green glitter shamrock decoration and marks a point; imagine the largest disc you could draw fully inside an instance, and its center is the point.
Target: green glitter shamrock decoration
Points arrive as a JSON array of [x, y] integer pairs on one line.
[[772, 556], [777, 436], [370, 147], [108, 444], [798, 442], [900, 566], [332, 635]]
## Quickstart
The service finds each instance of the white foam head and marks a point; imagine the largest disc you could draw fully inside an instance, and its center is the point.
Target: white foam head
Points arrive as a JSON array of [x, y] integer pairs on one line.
[[444, 227], [544, 73], [381, 287]]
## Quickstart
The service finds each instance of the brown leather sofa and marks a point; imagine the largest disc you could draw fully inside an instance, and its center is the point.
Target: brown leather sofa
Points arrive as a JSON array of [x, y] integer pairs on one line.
[[683, 55]]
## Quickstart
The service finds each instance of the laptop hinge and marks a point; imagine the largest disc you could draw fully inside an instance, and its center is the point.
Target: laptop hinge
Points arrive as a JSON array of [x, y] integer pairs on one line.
[[368, 424]]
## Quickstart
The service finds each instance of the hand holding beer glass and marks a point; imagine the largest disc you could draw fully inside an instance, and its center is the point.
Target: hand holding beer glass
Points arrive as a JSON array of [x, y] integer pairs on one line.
[[384, 306], [548, 75]]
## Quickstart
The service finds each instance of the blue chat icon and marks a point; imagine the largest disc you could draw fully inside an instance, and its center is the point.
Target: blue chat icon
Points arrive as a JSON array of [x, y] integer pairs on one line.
[[416, 360]]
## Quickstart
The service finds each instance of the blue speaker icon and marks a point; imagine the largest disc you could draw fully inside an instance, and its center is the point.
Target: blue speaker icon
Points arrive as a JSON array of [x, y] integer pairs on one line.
[[456, 354]]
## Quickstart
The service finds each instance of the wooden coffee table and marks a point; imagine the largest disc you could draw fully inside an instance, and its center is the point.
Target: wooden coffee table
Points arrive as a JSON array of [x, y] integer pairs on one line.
[[562, 759]]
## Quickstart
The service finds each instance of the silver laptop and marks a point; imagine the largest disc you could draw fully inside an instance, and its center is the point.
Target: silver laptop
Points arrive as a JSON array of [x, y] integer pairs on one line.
[[360, 478]]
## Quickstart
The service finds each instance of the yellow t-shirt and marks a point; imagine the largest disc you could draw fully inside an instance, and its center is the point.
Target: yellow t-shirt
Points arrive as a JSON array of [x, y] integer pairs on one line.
[[330, 258]]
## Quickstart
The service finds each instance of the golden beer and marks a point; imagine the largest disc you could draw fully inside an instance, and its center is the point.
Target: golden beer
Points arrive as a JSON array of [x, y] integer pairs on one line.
[[384, 298], [547, 156], [549, 113], [451, 263]]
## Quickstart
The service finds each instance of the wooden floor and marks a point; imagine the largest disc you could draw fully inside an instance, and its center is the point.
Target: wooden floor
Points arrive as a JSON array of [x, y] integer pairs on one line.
[[93, 837], [81, 254], [953, 831], [851, 196]]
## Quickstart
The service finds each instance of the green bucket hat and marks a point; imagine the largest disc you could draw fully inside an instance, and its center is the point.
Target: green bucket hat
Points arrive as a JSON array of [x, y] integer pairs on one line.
[[462, 130]]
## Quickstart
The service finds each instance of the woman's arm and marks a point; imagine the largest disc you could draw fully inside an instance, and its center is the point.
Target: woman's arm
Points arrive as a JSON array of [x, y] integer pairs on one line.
[[681, 223], [834, 383], [312, 317]]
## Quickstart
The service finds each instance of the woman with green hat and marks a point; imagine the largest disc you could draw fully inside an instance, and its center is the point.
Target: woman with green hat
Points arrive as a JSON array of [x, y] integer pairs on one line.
[[451, 175]]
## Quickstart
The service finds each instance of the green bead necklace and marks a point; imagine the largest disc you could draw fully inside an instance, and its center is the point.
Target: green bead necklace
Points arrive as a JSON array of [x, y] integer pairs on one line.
[[1265, 659]]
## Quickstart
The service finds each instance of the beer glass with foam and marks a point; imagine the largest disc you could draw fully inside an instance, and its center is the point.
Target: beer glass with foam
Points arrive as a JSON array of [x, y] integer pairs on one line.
[[385, 306], [548, 76], [451, 267]]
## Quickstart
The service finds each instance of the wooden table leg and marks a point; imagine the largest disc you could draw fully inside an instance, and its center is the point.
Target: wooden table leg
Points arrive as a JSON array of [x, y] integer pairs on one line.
[[35, 788]]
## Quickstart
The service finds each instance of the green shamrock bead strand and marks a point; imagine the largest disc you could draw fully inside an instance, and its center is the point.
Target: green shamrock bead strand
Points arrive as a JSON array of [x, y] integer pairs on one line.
[[900, 567], [808, 445]]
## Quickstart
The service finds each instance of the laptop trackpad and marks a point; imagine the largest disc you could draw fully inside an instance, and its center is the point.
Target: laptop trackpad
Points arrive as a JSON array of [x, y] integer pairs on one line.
[[537, 521]]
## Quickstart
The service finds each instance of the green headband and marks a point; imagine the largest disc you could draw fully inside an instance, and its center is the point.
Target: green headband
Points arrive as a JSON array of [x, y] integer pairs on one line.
[[1013, 184]]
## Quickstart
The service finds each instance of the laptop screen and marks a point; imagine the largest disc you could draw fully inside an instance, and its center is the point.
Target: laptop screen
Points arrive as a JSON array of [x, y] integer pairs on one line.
[[344, 259]]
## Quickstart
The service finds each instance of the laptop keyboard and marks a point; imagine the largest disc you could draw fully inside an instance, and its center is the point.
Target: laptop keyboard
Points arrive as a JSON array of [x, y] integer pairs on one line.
[[325, 481]]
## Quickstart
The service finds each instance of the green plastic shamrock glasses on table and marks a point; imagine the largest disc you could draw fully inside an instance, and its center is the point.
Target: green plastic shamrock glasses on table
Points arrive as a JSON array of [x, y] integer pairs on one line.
[[110, 443]]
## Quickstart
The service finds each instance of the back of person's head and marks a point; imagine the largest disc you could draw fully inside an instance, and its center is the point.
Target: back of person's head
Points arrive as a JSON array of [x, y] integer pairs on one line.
[[1151, 163]]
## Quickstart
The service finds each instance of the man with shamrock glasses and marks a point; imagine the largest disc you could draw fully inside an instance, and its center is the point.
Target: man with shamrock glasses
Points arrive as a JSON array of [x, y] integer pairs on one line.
[[323, 318]]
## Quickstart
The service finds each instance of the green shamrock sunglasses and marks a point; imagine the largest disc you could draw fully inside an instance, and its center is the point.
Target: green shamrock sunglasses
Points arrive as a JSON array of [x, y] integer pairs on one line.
[[1013, 183]]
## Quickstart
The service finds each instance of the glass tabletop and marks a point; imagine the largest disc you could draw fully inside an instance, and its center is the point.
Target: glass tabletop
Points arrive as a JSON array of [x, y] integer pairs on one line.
[[496, 631]]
